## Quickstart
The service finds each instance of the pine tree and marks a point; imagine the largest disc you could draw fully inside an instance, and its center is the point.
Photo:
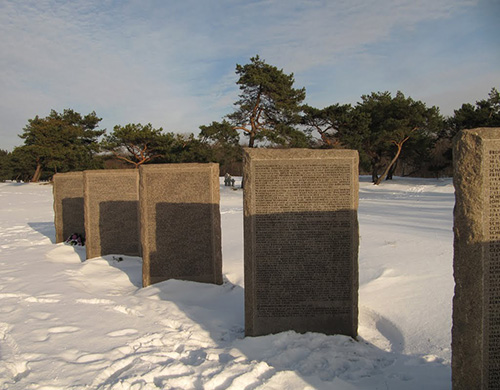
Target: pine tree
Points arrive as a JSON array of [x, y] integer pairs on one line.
[[61, 142], [394, 123], [333, 124], [138, 144], [222, 141], [269, 107], [485, 113]]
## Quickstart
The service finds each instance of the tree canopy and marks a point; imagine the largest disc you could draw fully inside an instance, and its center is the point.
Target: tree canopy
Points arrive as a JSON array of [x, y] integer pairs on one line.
[[334, 124], [222, 141], [485, 113], [137, 144], [5, 165], [60, 142], [387, 131], [268, 105], [392, 122]]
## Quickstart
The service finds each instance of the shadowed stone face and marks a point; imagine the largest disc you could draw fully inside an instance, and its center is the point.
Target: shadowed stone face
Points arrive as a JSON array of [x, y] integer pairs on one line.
[[301, 241], [476, 304], [68, 205], [180, 223], [111, 212]]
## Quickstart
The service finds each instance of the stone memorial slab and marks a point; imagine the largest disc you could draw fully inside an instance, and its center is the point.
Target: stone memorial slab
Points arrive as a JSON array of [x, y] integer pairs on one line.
[[301, 241], [68, 205], [112, 212], [476, 264], [180, 223]]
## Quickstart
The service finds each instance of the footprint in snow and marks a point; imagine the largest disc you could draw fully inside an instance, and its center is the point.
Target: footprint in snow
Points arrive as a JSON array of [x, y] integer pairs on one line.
[[12, 295], [123, 332], [41, 315], [42, 300], [7, 309], [194, 358], [42, 335], [110, 305], [63, 329], [17, 365], [95, 301], [90, 358]]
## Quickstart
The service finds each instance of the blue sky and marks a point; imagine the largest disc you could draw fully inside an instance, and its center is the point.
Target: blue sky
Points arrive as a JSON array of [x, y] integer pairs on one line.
[[172, 62]]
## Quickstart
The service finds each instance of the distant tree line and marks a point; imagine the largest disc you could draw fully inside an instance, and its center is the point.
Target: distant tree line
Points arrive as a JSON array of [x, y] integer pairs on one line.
[[393, 134]]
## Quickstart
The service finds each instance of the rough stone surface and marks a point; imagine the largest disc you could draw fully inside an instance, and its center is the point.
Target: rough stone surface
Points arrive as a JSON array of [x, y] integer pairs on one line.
[[476, 304], [301, 241], [111, 212], [68, 205], [180, 223]]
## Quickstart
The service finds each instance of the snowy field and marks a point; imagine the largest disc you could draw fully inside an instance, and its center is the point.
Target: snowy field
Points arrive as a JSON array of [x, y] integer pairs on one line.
[[66, 323]]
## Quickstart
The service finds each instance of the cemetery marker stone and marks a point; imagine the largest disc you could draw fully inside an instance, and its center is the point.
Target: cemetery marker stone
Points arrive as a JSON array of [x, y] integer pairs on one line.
[[476, 304], [180, 223], [111, 212], [301, 241], [68, 205]]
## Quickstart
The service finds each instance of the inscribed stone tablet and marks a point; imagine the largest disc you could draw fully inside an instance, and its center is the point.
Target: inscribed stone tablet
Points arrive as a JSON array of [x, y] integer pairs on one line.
[[112, 212], [476, 304], [180, 223], [68, 205], [301, 241]]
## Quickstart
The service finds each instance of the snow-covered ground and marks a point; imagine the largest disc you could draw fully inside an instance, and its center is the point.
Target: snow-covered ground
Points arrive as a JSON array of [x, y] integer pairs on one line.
[[66, 323]]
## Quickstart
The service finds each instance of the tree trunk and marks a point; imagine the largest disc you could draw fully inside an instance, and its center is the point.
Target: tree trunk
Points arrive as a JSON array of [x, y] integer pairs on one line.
[[38, 173], [391, 171], [327, 141], [375, 166], [374, 173], [393, 161], [251, 141]]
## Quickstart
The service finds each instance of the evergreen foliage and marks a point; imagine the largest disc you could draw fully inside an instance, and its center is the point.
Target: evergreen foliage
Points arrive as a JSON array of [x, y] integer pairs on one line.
[[60, 142], [268, 107], [394, 123], [337, 125], [5, 165], [137, 144], [22, 165], [223, 143], [189, 149], [387, 131], [485, 113]]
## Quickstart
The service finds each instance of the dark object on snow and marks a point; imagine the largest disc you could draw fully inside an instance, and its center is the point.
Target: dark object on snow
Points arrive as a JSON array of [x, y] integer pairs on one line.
[[75, 239]]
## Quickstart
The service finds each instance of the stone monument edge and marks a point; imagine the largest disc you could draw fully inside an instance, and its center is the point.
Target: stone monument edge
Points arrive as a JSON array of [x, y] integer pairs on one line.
[[194, 166], [469, 243], [306, 153], [248, 245], [86, 209], [355, 238], [57, 206], [143, 217], [216, 223]]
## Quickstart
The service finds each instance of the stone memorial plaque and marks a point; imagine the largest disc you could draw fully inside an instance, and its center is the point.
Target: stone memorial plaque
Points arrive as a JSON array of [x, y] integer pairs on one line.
[[112, 212], [180, 223], [476, 304], [301, 241], [68, 205]]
